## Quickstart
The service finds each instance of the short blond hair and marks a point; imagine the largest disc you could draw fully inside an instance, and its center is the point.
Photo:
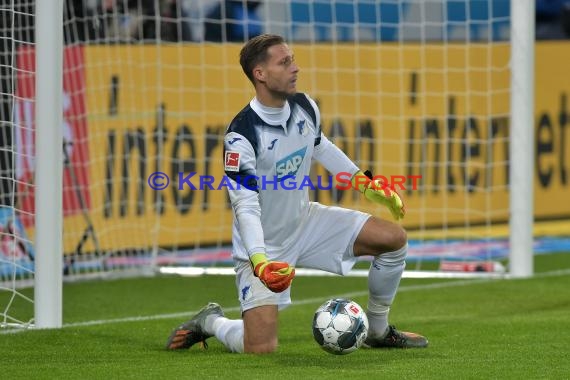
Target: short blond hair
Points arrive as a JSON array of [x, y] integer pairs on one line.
[[254, 52]]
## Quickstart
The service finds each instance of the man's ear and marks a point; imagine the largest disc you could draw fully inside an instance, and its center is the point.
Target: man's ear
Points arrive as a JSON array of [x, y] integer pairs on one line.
[[259, 73]]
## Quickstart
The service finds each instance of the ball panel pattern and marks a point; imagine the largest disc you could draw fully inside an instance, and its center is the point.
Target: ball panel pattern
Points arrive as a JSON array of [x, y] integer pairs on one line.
[[340, 326]]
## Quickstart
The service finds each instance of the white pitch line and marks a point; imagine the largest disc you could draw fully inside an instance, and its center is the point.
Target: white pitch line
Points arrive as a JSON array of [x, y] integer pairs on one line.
[[236, 308], [437, 285], [294, 303]]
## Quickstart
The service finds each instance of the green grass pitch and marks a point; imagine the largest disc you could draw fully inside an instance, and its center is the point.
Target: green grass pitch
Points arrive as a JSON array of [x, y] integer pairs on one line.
[[478, 329]]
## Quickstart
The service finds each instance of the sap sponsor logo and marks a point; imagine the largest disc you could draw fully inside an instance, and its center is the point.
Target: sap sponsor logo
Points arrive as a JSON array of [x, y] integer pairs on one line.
[[289, 166]]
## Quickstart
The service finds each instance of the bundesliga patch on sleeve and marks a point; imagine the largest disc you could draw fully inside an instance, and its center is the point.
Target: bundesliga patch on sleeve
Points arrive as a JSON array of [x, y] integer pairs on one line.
[[231, 161]]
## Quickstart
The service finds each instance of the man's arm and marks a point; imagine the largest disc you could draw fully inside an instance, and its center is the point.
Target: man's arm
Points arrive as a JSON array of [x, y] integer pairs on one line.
[[239, 166], [336, 161], [332, 158]]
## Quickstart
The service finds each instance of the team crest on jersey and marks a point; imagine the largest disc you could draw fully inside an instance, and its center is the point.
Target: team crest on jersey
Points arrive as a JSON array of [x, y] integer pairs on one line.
[[289, 166], [302, 128], [231, 161], [246, 293]]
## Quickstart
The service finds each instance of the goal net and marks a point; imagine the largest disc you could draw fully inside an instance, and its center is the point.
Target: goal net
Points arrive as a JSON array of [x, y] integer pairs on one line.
[[416, 91]]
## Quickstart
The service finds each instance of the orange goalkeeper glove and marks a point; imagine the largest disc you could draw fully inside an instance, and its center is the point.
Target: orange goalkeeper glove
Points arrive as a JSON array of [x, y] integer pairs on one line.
[[276, 275], [379, 192]]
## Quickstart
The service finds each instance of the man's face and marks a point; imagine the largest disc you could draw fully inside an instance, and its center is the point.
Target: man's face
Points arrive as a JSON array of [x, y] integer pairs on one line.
[[280, 71]]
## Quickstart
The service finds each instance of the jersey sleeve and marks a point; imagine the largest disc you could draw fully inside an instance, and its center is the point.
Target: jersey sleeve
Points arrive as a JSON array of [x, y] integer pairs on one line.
[[332, 158], [239, 166]]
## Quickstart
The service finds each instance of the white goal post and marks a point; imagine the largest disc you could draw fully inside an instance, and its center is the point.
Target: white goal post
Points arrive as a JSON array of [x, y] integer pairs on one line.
[[48, 288], [440, 89], [522, 137]]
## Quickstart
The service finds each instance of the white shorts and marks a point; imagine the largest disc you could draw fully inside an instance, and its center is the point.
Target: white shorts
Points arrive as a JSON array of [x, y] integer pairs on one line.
[[325, 242]]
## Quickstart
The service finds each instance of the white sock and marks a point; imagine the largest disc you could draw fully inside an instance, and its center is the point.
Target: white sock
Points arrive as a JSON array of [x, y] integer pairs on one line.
[[228, 331], [383, 281]]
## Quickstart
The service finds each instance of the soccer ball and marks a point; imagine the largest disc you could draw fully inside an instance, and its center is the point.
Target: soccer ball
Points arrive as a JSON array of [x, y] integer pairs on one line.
[[340, 326]]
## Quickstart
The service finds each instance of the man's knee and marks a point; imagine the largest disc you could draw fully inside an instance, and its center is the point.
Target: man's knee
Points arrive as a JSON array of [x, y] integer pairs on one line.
[[379, 236], [261, 348], [391, 237], [399, 237], [260, 329]]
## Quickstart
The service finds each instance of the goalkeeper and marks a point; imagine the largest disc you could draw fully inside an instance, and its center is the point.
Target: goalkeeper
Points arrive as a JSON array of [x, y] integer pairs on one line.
[[276, 136]]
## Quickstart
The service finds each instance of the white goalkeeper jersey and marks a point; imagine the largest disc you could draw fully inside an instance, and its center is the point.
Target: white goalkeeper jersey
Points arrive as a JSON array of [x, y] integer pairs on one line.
[[267, 154]]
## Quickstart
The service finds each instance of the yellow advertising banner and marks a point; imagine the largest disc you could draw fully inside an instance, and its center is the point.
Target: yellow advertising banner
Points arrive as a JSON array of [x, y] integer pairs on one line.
[[391, 108]]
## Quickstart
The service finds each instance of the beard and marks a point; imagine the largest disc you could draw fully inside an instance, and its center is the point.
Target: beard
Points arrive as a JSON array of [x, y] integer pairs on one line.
[[283, 94]]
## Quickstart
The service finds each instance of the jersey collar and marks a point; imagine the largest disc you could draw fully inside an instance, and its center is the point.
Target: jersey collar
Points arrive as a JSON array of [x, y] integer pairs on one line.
[[274, 117]]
